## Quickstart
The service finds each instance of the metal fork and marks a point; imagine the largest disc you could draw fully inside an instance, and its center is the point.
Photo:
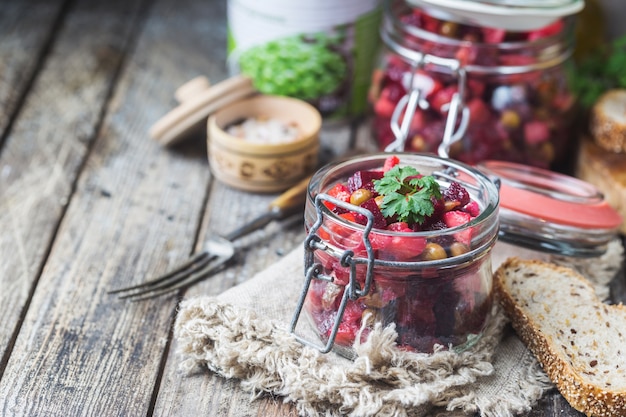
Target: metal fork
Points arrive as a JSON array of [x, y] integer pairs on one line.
[[218, 250]]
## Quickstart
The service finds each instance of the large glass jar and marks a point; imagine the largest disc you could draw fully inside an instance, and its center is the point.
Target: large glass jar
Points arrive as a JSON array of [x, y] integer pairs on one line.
[[513, 104], [358, 275]]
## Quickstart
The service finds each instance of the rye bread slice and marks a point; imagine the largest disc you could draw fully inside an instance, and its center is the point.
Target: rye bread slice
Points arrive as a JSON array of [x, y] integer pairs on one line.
[[579, 341]]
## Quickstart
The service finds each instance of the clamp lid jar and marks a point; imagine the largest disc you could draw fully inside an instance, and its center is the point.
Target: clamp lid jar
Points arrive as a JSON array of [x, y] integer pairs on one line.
[[434, 285], [472, 92]]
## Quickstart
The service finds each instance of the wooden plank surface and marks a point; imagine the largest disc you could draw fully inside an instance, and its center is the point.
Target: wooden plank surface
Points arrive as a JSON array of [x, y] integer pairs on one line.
[[89, 203], [46, 145], [26, 31], [133, 210], [23, 38]]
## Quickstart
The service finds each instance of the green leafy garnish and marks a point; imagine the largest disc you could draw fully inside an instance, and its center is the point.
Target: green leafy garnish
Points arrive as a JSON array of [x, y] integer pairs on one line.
[[599, 71], [407, 194]]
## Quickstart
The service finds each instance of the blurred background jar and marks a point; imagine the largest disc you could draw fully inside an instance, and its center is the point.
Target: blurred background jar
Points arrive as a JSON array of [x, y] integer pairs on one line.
[[322, 51], [515, 103]]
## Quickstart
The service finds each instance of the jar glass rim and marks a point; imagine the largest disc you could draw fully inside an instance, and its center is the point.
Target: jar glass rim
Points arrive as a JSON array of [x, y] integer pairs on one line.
[[556, 48], [551, 197], [435, 37], [514, 15], [488, 188], [550, 211]]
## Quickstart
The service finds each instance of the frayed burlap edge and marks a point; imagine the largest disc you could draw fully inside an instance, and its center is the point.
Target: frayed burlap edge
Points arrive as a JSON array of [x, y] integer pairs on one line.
[[511, 399], [382, 381]]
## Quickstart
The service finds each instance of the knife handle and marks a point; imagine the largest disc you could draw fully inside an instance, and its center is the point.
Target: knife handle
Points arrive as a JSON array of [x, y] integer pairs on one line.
[[291, 200]]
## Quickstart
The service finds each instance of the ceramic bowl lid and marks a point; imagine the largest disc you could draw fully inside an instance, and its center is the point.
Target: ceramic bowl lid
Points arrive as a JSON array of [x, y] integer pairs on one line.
[[198, 99]]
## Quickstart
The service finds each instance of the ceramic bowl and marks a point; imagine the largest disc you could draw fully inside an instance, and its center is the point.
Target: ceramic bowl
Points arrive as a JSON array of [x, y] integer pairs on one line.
[[264, 167]]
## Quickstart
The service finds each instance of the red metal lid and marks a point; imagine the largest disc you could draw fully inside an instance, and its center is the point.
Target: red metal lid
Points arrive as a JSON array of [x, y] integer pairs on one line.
[[551, 197]]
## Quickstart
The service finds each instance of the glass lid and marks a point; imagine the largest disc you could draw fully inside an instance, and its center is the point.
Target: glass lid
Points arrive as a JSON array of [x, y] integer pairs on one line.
[[537, 4], [513, 15], [551, 211]]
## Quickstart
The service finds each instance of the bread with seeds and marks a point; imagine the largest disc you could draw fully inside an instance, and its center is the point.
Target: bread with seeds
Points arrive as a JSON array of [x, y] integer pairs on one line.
[[608, 121], [579, 341]]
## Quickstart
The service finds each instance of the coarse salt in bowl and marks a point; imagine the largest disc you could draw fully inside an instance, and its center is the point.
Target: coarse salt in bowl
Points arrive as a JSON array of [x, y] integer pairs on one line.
[[264, 143], [264, 130]]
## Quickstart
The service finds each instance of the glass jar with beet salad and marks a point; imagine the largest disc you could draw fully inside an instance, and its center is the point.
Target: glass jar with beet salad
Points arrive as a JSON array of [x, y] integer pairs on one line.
[[486, 92], [403, 239]]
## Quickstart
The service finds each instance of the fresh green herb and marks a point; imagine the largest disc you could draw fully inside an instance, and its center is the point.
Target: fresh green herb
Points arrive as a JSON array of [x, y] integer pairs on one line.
[[601, 70], [301, 66], [407, 194]]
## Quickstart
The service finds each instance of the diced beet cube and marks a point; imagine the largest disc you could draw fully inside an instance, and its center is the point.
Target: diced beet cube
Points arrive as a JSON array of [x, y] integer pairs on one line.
[[456, 218], [443, 239], [354, 217], [353, 312], [382, 130], [479, 112], [493, 35], [442, 97], [398, 248], [418, 122], [409, 247], [433, 132], [350, 324], [389, 96], [446, 318], [429, 23], [416, 313], [476, 87], [536, 132], [472, 208], [399, 227], [390, 162], [467, 54], [438, 225], [438, 209], [363, 179], [383, 107], [379, 220], [393, 92], [396, 68], [456, 192], [340, 192]]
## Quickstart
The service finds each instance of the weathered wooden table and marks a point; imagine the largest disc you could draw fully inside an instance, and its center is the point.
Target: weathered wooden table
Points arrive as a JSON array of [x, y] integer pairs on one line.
[[88, 202]]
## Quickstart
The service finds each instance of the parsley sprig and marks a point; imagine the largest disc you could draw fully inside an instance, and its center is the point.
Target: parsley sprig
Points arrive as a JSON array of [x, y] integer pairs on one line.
[[601, 70], [407, 194]]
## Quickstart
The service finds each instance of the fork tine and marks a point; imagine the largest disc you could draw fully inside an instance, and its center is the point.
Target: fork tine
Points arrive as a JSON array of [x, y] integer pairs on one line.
[[186, 281], [168, 283], [183, 267]]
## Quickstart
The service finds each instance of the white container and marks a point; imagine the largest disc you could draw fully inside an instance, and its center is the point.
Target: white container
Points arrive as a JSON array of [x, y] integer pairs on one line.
[[319, 51]]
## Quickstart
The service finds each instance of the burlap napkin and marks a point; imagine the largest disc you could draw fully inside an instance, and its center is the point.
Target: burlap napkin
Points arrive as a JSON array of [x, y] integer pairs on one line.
[[243, 334]]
